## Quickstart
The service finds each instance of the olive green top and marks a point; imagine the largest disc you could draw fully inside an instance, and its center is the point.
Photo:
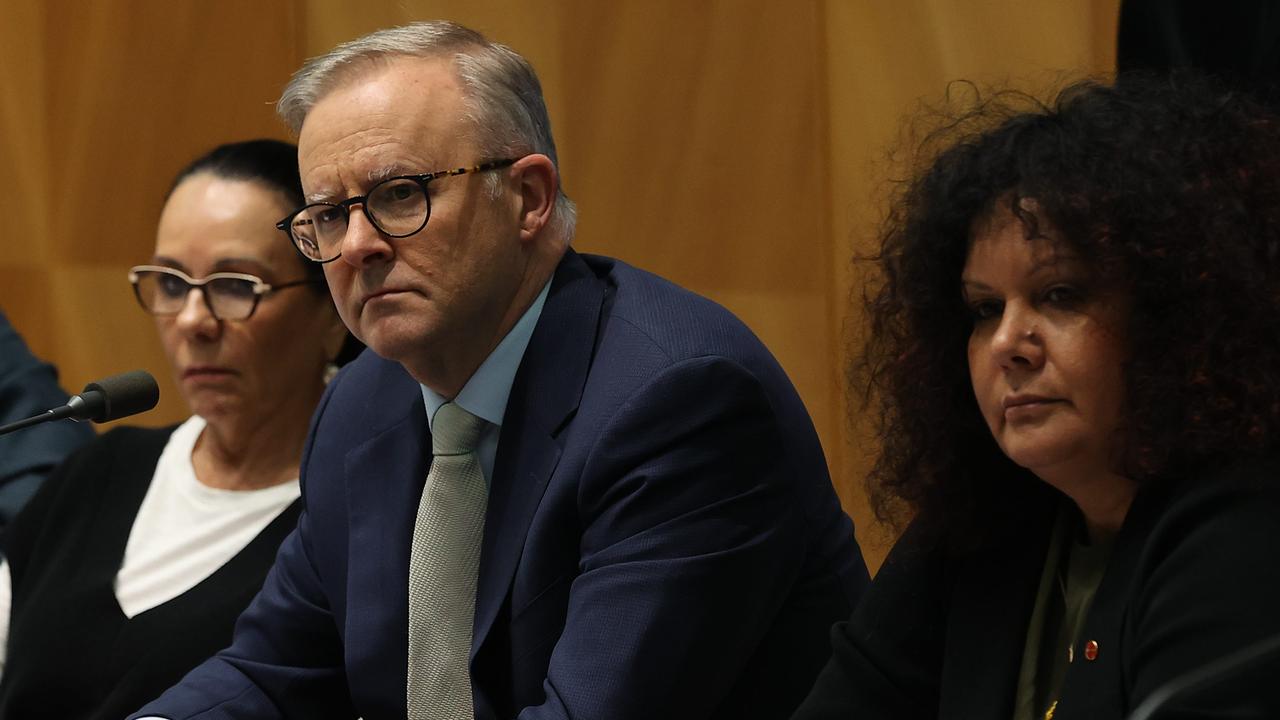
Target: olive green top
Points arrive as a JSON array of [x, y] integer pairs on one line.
[[1073, 569]]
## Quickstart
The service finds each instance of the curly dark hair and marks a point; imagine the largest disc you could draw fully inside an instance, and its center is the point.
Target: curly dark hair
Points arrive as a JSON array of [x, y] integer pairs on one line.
[[1169, 189]]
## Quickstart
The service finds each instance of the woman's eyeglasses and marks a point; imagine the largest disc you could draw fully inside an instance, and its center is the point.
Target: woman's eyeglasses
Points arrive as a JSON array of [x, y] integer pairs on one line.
[[228, 295]]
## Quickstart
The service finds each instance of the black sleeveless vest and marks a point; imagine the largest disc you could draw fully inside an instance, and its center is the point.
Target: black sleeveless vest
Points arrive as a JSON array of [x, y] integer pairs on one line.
[[72, 653]]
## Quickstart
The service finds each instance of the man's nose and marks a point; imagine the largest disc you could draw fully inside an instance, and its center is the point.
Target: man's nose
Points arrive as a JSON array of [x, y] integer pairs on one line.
[[364, 243]]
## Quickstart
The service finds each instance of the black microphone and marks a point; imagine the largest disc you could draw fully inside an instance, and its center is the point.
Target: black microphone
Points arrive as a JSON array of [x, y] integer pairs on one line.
[[107, 399]]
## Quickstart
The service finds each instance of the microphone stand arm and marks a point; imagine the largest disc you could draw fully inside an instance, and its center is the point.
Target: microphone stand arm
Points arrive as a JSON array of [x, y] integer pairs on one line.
[[55, 414], [88, 405]]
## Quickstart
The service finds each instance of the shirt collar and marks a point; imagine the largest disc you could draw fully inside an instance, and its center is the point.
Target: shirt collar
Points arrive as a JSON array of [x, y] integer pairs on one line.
[[485, 394]]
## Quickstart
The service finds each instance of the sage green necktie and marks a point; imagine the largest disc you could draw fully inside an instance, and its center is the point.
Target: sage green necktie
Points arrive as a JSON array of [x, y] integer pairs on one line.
[[442, 570]]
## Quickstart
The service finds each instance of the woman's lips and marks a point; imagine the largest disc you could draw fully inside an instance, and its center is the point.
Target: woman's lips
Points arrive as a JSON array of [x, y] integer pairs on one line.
[[1028, 407]]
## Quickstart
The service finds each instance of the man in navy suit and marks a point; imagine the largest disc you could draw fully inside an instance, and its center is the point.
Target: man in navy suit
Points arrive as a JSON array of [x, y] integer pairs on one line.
[[660, 539]]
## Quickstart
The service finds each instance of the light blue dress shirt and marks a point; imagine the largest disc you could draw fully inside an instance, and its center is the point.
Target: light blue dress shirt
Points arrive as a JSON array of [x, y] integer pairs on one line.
[[485, 394]]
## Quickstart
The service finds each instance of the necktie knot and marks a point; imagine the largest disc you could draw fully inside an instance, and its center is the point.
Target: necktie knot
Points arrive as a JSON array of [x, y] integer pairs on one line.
[[455, 431]]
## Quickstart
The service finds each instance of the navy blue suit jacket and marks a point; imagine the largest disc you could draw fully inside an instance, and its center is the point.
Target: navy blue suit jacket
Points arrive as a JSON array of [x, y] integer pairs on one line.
[[29, 386], [662, 539]]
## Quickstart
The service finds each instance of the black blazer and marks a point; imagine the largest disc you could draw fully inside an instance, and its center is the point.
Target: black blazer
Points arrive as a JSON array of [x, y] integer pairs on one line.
[[1194, 575]]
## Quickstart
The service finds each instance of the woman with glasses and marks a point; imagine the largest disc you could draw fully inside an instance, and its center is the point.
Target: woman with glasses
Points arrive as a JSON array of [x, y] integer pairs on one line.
[[132, 562], [1074, 348]]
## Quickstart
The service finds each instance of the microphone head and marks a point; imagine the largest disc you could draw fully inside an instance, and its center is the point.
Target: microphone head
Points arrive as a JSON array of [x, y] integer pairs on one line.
[[120, 396]]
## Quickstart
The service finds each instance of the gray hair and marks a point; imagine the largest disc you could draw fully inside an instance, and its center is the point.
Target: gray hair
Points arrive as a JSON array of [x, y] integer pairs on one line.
[[501, 91]]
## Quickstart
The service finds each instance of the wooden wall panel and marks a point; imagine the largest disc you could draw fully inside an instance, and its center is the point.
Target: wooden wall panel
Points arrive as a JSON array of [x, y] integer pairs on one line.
[[24, 204], [734, 146], [103, 102]]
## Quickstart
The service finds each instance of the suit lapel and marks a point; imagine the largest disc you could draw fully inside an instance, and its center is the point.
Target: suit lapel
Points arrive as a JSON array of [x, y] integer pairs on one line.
[[544, 395], [385, 475]]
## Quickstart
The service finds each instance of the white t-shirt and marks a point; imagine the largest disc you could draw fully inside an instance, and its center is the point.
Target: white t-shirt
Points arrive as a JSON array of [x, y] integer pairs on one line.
[[183, 533]]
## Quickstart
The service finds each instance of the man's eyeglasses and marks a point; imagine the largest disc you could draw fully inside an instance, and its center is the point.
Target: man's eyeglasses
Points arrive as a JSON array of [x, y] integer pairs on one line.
[[398, 207], [228, 295]]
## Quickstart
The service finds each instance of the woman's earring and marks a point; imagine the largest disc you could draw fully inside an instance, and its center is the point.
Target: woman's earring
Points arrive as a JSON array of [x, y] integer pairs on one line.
[[330, 369]]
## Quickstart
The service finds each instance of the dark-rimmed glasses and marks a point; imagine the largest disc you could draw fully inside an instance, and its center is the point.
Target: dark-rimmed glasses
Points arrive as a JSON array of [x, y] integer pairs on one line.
[[228, 295], [398, 207]]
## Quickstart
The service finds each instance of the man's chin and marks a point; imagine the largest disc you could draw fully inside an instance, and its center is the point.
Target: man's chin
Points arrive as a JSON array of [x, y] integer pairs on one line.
[[397, 344]]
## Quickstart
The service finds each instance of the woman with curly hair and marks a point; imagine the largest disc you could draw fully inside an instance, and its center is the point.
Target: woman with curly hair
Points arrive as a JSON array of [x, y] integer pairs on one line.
[[1074, 347]]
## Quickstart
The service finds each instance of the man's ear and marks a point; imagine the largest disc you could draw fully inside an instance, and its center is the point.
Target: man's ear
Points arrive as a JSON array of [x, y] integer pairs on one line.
[[538, 183]]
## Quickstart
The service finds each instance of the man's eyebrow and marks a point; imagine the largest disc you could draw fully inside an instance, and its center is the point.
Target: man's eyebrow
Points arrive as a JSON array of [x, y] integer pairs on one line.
[[387, 172], [374, 177], [318, 196]]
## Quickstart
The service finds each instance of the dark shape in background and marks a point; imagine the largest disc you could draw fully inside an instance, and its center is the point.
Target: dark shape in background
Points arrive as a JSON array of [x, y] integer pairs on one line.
[[1237, 41]]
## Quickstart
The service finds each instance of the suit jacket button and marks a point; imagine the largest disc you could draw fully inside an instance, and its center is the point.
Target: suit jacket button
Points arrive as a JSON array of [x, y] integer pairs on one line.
[[1091, 650]]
